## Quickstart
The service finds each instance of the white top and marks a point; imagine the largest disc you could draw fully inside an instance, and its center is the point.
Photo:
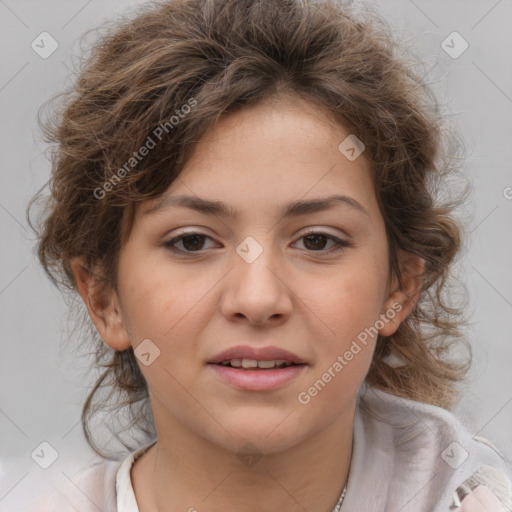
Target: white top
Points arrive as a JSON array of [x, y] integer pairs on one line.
[[407, 457]]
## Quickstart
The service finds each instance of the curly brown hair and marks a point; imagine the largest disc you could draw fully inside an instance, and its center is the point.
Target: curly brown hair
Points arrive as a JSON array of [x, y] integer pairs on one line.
[[219, 56]]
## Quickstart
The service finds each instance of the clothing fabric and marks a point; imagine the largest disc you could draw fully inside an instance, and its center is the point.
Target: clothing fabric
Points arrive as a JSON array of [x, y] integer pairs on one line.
[[407, 456]]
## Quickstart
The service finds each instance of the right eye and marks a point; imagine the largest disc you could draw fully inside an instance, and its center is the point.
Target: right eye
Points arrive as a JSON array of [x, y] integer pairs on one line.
[[191, 243]]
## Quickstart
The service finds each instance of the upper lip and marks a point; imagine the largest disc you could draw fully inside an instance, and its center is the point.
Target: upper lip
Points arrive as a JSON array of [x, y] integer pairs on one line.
[[269, 353]]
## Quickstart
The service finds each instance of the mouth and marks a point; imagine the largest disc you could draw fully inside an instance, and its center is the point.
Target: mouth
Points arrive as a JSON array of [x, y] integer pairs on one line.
[[249, 357], [254, 364], [256, 369], [256, 378]]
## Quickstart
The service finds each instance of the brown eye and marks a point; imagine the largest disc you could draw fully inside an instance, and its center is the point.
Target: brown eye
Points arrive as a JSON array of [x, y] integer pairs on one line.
[[313, 242], [316, 241], [191, 242]]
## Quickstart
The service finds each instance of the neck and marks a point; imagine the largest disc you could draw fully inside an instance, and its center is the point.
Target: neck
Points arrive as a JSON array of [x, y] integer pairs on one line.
[[193, 474]]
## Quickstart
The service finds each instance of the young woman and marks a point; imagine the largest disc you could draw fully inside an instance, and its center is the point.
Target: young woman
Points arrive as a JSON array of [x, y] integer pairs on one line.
[[244, 194]]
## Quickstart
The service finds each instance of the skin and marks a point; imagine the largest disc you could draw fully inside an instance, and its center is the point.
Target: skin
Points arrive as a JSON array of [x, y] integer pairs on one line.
[[294, 295]]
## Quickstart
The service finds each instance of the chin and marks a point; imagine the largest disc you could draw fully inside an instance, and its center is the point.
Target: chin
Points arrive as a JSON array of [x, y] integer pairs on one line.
[[254, 434]]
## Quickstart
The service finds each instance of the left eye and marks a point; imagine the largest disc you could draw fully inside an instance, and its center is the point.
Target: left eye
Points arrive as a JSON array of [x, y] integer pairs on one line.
[[315, 238], [315, 241]]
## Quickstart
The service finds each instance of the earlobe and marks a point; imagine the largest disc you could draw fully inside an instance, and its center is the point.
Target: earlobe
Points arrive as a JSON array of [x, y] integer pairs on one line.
[[102, 305], [403, 298]]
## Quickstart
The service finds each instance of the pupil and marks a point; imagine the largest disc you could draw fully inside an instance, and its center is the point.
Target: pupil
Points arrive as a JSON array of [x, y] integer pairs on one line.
[[195, 245], [315, 237]]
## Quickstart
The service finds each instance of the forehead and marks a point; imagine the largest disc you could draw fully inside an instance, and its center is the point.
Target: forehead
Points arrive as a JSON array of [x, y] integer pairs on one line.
[[277, 159], [288, 147]]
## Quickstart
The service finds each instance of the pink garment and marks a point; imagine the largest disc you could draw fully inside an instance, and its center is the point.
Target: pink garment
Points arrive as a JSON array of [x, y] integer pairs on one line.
[[482, 499]]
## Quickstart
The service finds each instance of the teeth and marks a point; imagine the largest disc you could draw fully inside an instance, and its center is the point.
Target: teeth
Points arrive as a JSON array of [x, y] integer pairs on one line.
[[253, 363], [266, 364]]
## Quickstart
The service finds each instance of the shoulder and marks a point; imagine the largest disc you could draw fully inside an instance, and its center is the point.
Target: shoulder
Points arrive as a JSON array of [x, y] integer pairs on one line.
[[105, 485], [88, 490], [434, 459]]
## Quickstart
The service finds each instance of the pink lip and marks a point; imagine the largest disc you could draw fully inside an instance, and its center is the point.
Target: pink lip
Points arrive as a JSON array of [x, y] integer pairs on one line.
[[259, 354], [258, 379]]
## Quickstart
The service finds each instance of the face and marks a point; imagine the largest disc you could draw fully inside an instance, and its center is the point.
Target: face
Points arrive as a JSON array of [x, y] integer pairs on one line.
[[194, 282]]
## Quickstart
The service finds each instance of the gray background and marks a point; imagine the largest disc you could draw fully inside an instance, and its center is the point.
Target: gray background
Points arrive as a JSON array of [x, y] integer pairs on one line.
[[42, 382]]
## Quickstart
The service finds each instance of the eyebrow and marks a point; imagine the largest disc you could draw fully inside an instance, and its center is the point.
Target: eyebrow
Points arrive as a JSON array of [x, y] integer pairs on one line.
[[293, 209]]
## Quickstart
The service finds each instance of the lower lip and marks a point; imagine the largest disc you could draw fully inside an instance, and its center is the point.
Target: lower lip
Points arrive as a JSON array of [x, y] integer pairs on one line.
[[257, 380]]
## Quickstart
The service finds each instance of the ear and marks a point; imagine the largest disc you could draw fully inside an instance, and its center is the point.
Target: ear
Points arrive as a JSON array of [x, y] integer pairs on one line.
[[402, 299], [102, 303]]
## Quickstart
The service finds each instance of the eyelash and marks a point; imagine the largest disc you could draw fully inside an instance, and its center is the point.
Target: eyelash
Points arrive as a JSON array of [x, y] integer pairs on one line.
[[340, 244]]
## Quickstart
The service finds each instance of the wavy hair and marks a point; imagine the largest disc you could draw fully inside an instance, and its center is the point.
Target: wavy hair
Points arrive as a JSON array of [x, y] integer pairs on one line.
[[221, 56]]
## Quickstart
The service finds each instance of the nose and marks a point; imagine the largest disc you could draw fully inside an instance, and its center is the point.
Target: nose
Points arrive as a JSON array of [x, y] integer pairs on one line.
[[257, 291]]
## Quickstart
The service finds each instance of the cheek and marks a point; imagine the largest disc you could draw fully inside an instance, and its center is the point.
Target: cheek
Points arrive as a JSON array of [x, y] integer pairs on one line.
[[345, 302], [349, 308], [159, 299], [162, 309], [169, 308]]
